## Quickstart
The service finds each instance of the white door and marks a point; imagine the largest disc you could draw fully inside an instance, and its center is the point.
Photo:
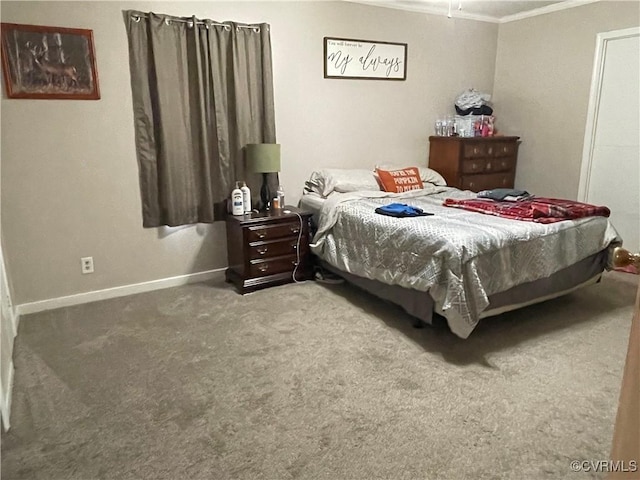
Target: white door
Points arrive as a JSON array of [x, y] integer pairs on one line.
[[611, 158]]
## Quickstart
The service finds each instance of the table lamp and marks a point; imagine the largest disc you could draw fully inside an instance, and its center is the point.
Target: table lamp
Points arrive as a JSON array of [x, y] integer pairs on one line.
[[263, 158]]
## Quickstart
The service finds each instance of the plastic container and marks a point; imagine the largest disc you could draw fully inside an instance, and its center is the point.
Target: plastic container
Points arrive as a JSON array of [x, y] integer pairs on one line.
[[246, 197], [237, 205], [280, 196]]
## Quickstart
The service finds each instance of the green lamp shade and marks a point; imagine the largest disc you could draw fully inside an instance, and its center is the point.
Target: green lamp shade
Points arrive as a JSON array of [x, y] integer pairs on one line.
[[263, 157]]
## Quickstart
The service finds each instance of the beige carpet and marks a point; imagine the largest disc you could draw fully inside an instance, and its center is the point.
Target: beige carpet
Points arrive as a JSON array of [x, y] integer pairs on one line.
[[313, 381]]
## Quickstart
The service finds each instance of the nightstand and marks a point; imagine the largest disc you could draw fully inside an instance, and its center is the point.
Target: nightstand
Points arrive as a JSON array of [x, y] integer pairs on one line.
[[475, 163], [266, 248]]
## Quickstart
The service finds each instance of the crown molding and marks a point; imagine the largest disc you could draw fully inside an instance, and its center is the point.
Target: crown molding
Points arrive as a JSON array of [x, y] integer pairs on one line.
[[556, 7], [432, 11]]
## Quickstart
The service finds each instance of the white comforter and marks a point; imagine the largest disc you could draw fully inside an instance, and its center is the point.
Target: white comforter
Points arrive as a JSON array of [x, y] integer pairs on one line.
[[459, 257]]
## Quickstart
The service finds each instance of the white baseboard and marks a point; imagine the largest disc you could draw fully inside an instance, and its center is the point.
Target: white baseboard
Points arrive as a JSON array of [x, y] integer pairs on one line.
[[107, 293], [5, 407]]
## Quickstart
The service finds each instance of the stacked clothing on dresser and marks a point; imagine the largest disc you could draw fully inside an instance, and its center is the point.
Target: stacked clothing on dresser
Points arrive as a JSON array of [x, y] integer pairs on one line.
[[520, 205]]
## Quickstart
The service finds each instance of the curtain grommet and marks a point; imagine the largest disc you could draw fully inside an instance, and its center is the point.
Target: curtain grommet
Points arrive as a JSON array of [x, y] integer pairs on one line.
[[167, 21], [135, 18]]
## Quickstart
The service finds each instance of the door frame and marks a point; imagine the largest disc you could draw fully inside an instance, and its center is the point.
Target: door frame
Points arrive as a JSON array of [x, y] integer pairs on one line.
[[602, 41]]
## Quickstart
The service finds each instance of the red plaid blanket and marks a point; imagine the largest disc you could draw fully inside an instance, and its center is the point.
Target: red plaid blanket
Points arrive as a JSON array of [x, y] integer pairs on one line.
[[537, 209]]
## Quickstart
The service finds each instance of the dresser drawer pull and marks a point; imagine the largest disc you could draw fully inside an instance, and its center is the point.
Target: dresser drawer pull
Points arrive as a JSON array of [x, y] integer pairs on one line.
[[294, 246], [474, 166], [262, 250], [505, 149], [295, 229], [490, 150], [488, 165], [294, 263], [505, 181], [505, 164], [471, 184], [261, 234], [475, 150], [264, 267]]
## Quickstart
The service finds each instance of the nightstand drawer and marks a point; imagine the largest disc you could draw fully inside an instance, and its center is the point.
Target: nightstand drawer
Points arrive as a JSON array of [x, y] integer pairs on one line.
[[269, 232], [276, 248], [261, 268]]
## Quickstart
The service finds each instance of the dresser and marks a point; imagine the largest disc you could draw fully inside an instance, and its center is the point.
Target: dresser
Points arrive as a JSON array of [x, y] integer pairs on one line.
[[475, 163], [267, 248]]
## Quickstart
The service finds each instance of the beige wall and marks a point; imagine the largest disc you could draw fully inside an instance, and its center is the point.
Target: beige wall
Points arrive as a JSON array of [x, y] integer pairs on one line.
[[69, 171], [541, 92]]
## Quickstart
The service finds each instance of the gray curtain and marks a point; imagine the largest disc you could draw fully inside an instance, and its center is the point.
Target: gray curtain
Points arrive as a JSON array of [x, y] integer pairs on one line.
[[202, 90]]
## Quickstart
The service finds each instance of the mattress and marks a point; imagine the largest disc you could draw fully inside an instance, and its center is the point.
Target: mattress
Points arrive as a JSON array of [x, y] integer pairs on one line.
[[312, 202]]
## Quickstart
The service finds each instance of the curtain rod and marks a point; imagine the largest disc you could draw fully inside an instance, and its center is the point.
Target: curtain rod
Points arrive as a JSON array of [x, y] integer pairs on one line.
[[256, 28]]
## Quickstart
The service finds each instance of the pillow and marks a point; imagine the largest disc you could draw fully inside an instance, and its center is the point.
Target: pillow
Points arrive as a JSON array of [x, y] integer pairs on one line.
[[427, 175], [431, 176], [342, 180], [401, 180]]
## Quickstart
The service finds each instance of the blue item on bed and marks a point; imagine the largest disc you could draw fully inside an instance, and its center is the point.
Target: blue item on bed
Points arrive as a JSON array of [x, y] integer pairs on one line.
[[401, 210]]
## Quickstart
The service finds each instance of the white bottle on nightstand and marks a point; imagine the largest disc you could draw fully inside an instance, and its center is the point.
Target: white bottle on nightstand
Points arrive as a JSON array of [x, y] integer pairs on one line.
[[246, 197], [280, 195], [237, 205]]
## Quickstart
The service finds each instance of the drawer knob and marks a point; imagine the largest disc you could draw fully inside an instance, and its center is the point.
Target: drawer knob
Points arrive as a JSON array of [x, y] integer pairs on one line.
[[294, 246], [504, 164], [262, 250], [475, 150], [504, 181], [505, 149], [264, 267], [490, 150], [261, 234], [294, 263], [489, 166], [474, 166], [471, 184], [295, 229]]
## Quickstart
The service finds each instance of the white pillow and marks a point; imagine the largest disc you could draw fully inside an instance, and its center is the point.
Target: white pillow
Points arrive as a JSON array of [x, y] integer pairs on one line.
[[431, 176], [342, 180]]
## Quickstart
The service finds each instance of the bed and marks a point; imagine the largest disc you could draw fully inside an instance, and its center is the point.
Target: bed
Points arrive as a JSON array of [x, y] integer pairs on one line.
[[460, 264]]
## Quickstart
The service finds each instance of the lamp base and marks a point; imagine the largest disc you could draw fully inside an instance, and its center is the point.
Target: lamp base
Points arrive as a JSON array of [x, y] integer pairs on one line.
[[265, 194]]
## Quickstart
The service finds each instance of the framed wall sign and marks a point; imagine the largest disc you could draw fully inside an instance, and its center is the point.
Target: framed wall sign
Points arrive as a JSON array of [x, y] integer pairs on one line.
[[364, 59], [48, 62]]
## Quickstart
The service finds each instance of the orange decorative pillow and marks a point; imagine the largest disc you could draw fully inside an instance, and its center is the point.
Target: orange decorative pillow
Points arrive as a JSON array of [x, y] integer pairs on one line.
[[401, 180]]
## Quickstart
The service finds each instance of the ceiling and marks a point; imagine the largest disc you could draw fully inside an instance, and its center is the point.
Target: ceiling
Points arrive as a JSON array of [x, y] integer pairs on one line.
[[485, 10]]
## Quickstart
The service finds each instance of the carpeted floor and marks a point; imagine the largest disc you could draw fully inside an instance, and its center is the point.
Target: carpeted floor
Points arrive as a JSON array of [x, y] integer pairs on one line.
[[313, 381]]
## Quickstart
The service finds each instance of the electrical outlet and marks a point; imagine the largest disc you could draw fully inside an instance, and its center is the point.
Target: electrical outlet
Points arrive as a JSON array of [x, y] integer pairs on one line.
[[87, 264]]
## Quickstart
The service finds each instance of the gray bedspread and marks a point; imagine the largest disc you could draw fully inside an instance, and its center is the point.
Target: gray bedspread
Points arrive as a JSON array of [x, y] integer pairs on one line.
[[459, 257]]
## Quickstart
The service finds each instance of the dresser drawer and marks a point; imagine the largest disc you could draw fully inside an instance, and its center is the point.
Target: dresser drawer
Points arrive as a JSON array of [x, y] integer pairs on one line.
[[277, 248], [505, 149], [269, 232], [261, 268], [476, 165], [474, 150], [500, 164], [486, 181]]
